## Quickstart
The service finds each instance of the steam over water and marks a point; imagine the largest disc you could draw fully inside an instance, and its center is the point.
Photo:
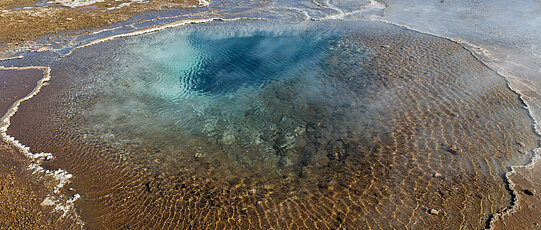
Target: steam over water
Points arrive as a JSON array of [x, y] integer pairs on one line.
[[251, 125]]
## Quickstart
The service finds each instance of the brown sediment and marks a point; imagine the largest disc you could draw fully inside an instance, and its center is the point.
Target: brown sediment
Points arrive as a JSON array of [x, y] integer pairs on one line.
[[22, 194], [449, 129], [21, 25], [21, 191], [15, 84], [21, 197], [526, 181], [9, 4]]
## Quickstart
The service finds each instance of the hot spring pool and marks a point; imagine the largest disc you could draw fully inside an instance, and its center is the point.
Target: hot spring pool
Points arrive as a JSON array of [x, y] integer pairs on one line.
[[257, 124]]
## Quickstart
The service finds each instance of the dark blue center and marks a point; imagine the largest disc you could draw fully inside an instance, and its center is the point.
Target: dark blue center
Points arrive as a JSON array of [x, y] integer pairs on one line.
[[235, 62]]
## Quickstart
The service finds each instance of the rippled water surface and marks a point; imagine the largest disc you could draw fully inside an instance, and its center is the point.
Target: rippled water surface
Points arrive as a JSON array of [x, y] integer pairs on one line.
[[251, 124]]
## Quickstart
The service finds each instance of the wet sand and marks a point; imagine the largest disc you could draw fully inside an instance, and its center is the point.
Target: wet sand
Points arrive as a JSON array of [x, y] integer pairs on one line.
[[22, 194], [527, 215], [15, 84], [21, 197], [21, 191]]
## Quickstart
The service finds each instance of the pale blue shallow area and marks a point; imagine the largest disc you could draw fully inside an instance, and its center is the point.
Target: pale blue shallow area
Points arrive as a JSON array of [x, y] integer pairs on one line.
[[249, 94]]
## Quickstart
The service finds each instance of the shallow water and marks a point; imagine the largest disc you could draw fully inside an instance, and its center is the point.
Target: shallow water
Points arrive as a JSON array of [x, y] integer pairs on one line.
[[504, 37], [252, 124]]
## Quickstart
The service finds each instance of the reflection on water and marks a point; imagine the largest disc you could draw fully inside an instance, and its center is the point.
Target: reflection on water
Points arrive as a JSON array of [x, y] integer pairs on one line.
[[254, 125]]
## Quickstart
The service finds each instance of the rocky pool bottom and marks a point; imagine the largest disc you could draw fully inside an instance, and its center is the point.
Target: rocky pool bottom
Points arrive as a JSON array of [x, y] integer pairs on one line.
[[324, 124]]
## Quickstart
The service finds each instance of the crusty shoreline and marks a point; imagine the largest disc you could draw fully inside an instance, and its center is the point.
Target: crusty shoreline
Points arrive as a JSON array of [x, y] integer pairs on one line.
[[21, 191], [526, 182], [23, 22]]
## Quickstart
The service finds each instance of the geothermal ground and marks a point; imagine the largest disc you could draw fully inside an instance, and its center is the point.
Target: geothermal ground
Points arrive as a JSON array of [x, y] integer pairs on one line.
[[419, 164]]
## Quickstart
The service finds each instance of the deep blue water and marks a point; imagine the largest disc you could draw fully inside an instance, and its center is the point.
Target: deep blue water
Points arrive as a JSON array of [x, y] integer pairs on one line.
[[232, 63]]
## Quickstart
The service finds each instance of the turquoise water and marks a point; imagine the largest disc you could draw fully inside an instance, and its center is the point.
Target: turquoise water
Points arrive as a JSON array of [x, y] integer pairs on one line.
[[252, 93]]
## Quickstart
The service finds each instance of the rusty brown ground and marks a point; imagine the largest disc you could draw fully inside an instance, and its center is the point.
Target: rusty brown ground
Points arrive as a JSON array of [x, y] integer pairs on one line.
[[528, 211], [22, 25]]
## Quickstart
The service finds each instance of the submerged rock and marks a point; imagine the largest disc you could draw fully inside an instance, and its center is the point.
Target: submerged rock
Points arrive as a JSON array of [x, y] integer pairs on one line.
[[228, 138], [300, 130], [455, 150], [199, 155], [529, 192], [434, 212], [285, 162], [285, 141], [336, 149]]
